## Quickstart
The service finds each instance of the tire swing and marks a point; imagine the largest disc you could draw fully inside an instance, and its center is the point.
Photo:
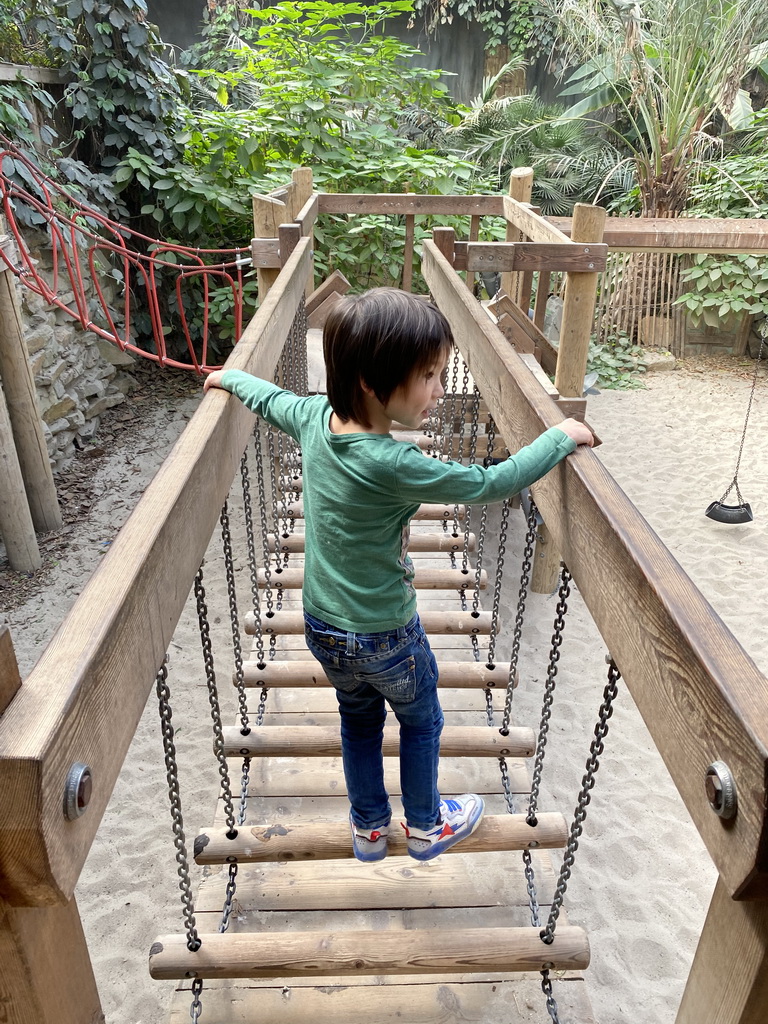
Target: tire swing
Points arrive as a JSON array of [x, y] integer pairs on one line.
[[741, 513]]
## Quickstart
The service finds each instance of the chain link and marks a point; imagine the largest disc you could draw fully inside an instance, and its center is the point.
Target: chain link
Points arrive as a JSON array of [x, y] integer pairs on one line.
[[172, 775], [549, 690], [264, 531], [546, 988], [213, 699], [251, 544], [585, 795], [525, 579], [229, 897], [496, 607], [229, 565], [197, 1007]]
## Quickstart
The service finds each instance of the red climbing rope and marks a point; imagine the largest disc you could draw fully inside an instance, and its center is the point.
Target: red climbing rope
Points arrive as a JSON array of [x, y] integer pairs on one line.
[[82, 237]]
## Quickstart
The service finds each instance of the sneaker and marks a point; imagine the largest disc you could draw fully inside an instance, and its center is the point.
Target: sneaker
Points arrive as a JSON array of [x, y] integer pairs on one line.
[[459, 817], [369, 844]]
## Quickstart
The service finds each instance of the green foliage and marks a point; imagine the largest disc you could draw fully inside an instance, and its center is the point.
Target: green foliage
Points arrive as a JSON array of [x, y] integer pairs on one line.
[[125, 94], [725, 286], [527, 27], [616, 363], [670, 70], [571, 163]]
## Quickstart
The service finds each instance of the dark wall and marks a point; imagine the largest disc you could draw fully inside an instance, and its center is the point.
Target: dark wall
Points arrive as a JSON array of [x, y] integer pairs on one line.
[[458, 48]]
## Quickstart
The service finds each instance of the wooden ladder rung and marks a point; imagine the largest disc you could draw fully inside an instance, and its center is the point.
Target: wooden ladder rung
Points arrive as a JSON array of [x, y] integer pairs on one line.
[[295, 510], [414, 951], [324, 741], [458, 447], [424, 579], [421, 542], [434, 623], [469, 675], [330, 840]]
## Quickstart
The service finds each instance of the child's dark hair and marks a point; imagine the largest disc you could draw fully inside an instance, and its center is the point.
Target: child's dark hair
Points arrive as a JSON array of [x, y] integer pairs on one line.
[[381, 339]]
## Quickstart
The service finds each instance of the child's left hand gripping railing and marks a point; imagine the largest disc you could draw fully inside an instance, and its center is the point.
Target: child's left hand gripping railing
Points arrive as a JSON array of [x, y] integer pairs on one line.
[[103, 658]]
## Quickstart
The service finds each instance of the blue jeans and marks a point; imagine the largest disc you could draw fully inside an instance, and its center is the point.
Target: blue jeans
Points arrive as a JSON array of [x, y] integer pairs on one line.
[[367, 669]]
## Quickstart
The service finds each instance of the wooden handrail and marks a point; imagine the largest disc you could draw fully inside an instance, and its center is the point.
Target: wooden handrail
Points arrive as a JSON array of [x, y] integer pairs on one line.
[[83, 700], [702, 697], [722, 235]]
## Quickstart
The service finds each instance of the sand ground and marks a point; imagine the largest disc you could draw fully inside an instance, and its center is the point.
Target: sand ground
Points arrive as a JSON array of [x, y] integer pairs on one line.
[[643, 879]]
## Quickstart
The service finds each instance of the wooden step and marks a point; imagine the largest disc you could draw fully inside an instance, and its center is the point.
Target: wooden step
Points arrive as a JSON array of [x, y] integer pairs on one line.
[[286, 955], [329, 840], [417, 543], [324, 741], [434, 623], [295, 510], [405, 1001], [424, 579], [469, 675], [457, 446]]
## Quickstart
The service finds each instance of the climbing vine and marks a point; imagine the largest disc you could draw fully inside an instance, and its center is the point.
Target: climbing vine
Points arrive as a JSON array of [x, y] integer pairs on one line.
[[525, 26]]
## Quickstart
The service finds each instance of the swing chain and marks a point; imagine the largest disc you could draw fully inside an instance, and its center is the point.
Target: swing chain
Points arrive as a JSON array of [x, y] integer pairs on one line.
[[549, 689], [226, 543], [585, 795], [213, 699], [735, 481], [172, 775], [197, 1007], [525, 579], [229, 897]]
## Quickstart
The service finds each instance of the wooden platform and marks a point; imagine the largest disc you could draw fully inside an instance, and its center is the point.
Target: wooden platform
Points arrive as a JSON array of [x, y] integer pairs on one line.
[[308, 904]]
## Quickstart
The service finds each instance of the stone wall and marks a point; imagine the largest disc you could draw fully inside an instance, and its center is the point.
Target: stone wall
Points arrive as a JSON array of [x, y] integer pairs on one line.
[[76, 373]]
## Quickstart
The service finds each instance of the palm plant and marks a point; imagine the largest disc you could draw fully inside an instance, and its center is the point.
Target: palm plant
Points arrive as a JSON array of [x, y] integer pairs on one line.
[[671, 69]]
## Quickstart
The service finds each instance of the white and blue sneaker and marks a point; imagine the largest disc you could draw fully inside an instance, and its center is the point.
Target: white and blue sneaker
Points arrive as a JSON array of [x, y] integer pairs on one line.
[[369, 844], [459, 817]]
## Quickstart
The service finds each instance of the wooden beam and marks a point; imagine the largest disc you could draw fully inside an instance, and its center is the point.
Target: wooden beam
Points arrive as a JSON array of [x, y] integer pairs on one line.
[[680, 234], [728, 983], [407, 203], [528, 256], [23, 410], [46, 975], [307, 215], [10, 679], [265, 253], [532, 225], [300, 841], [424, 579], [335, 282], [110, 646], [702, 697], [415, 951], [16, 526], [521, 324], [417, 541], [520, 188], [268, 214]]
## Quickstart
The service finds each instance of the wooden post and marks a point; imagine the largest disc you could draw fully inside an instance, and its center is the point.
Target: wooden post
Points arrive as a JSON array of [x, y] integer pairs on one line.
[[10, 680], [520, 188], [728, 983], [46, 975], [303, 180], [268, 215], [16, 524], [23, 411], [578, 307], [575, 332], [445, 240], [474, 234], [410, 223]]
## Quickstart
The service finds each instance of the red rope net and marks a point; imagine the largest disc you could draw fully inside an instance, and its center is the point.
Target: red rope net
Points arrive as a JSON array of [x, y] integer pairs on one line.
[[86, 245]]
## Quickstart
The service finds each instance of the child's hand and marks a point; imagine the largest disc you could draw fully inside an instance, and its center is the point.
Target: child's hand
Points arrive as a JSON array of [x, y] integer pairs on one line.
[[576, 430], [213, 380]]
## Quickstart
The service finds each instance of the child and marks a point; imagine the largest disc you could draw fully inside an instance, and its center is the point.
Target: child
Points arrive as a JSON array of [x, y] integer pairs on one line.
[[386, 353]]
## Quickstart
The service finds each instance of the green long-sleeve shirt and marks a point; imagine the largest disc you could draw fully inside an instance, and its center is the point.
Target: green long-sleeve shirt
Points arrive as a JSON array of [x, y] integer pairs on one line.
[[360, 492]]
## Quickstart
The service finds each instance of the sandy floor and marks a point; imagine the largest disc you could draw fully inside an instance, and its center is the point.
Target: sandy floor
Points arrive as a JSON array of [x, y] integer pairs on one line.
[[642, 880]]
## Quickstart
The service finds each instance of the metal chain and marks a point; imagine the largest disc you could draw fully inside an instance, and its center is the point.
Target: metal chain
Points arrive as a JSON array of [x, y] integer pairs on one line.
[[495, 610], [197, 1007], [483, 523], [229, 565], [735, 481], [525, 579], [546, 988], [172, 775], [213, 699], [585, 795], [469, 515], [549, 690], [244, 780], [229, 897], [251, 543], [263, 514], [262, 701]]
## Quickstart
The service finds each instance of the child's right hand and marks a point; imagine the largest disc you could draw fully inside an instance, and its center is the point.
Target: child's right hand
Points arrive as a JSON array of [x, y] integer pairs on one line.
[[578, 431], [213, 380]]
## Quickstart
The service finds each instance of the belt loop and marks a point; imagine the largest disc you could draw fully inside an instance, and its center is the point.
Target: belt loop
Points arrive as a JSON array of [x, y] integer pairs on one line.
[[351, 645], [402, 632]]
